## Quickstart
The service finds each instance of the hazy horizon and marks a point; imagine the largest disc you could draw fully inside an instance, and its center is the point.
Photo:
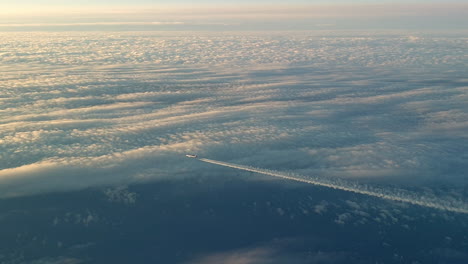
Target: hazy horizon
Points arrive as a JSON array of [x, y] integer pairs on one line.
[[206, 16]]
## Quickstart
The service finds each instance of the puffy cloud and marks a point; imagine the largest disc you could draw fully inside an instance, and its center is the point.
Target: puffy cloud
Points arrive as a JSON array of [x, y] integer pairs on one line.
[[121, 195]]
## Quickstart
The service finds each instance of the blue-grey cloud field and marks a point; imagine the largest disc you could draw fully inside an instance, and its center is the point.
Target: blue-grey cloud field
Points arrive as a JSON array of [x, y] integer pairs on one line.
[[81, 110]]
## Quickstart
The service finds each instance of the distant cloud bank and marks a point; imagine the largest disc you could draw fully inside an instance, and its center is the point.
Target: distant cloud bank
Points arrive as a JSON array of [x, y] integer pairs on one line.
[[419, 16]]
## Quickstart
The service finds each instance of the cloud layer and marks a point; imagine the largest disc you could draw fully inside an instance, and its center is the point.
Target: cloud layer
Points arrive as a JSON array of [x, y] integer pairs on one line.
[[93, 109]]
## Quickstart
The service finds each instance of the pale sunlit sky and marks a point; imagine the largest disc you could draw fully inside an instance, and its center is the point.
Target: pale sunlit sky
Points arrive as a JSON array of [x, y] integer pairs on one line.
[[26, 15]]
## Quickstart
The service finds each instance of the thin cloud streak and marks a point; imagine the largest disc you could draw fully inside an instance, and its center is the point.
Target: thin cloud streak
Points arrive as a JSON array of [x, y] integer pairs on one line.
[[274, 9], [92, 24]]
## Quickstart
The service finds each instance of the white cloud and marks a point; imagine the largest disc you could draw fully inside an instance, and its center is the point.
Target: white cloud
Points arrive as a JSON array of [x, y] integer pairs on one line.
[[321, 207], [120, 194]]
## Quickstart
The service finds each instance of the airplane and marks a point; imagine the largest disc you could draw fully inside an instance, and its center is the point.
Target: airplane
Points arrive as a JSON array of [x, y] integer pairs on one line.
[[190, 156]]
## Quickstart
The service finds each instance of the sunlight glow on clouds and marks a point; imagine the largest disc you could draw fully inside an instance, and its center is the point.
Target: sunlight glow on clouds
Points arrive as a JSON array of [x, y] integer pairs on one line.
[[238, 17], [90, 109]]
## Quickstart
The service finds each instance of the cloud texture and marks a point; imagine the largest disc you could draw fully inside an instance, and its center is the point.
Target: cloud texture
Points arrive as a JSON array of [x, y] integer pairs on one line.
[[93, 109]]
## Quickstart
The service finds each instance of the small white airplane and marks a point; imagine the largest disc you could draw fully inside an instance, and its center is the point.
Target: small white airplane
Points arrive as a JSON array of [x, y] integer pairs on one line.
[[190, 156]]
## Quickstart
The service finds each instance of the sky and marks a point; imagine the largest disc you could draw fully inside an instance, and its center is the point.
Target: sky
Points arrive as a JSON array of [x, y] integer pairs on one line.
[[116, 3], [130, 2], [127, 15]]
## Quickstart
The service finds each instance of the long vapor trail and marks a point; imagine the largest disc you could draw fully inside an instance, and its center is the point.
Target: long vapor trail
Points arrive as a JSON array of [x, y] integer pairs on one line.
[[446, 204]]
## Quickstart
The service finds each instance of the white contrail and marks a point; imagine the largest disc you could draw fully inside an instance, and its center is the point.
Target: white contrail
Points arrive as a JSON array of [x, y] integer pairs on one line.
[[339, 184]]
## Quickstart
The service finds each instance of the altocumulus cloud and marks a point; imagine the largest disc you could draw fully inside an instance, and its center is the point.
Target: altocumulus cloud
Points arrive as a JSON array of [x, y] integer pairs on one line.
[[96, 109]]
